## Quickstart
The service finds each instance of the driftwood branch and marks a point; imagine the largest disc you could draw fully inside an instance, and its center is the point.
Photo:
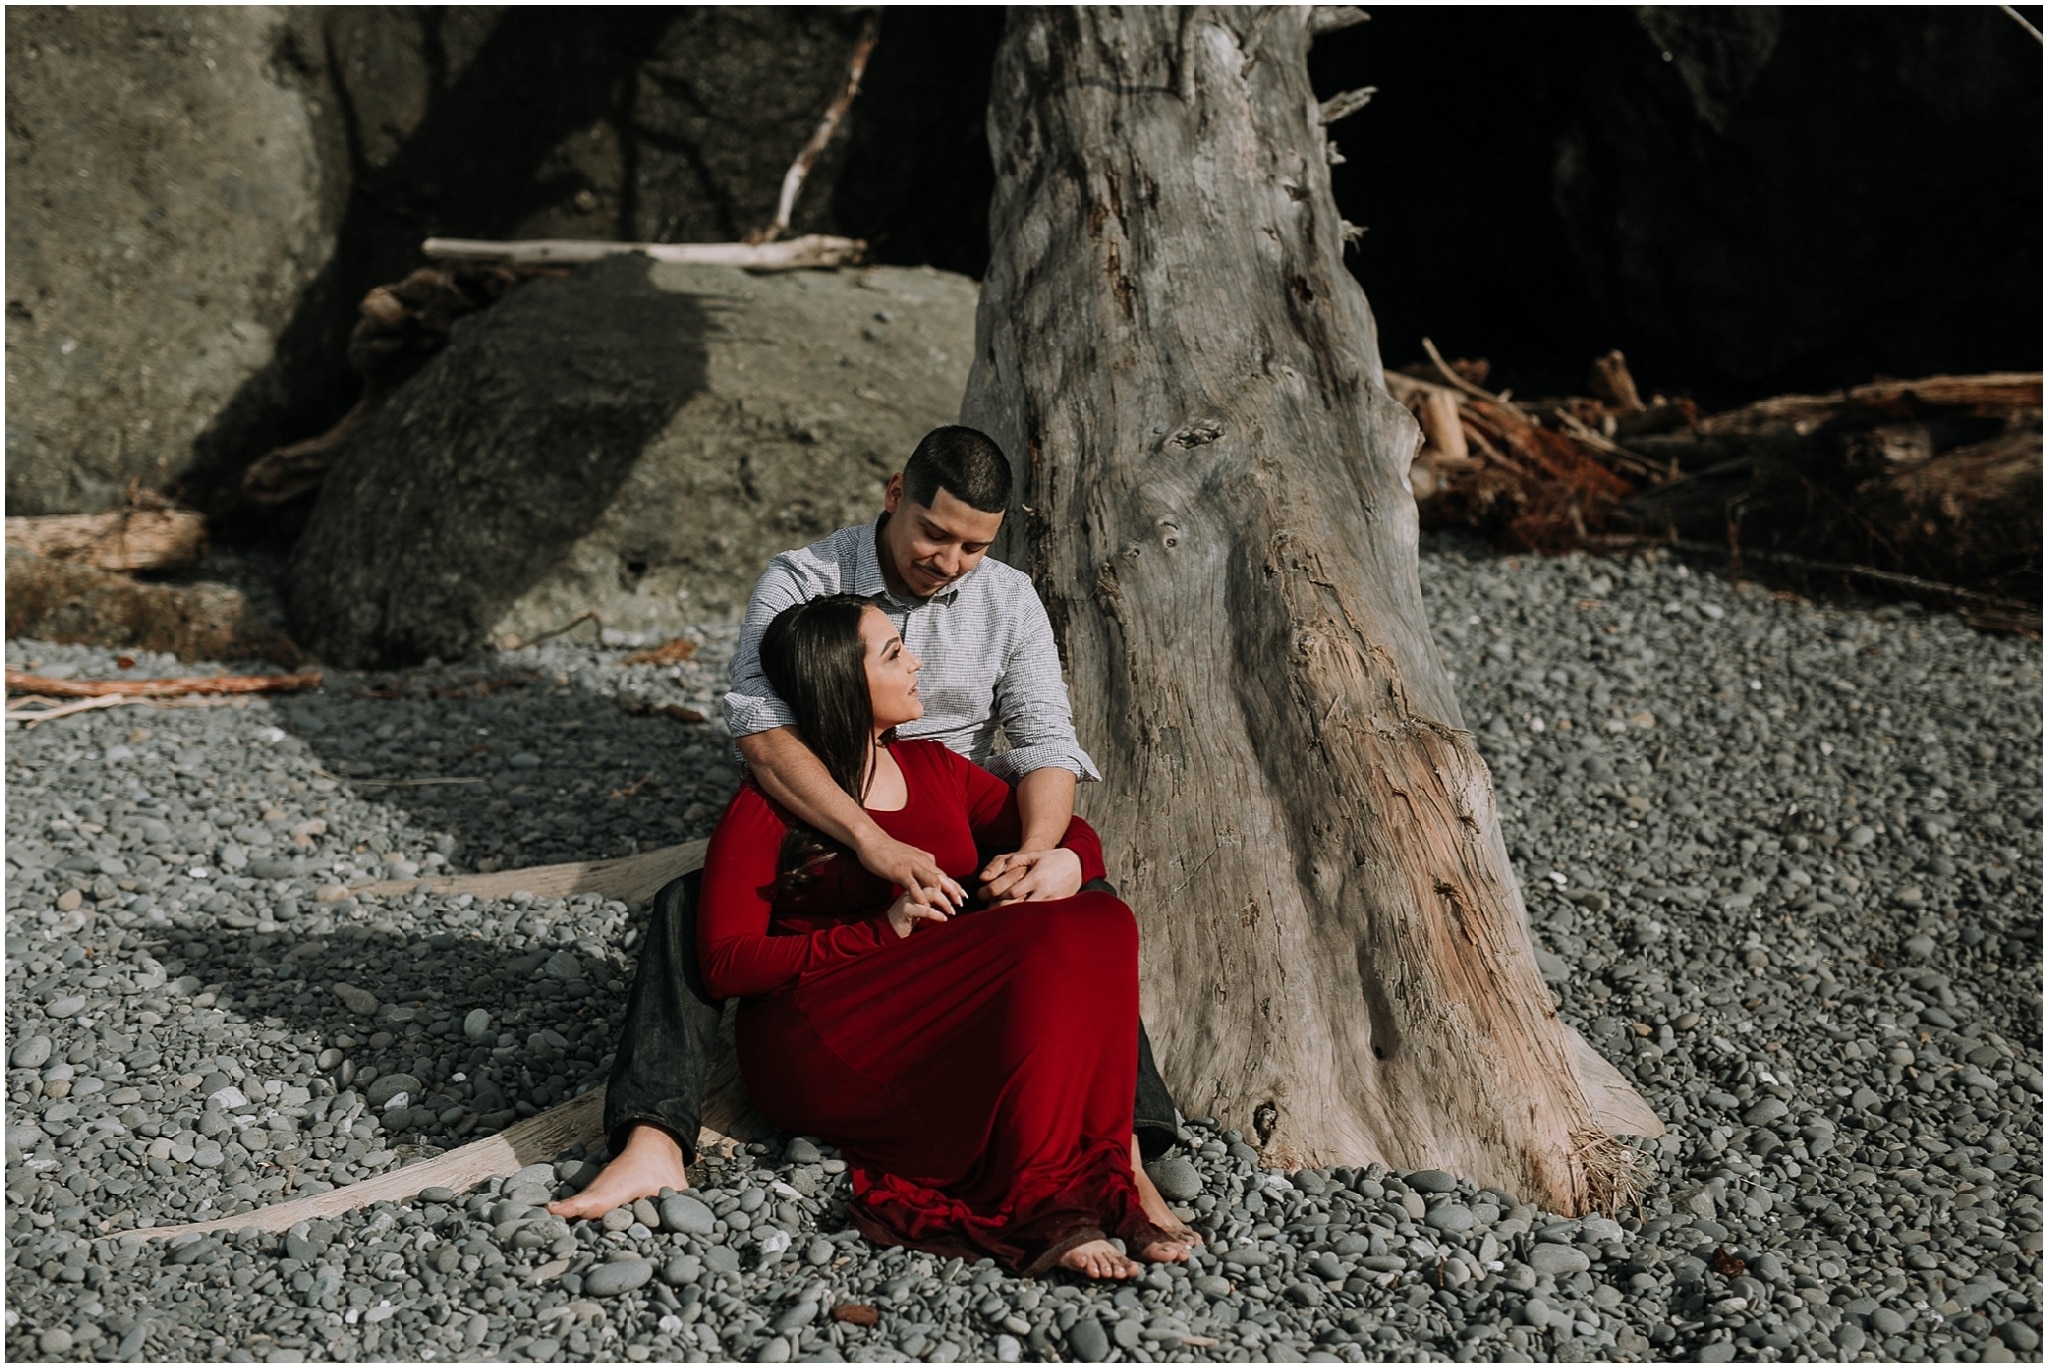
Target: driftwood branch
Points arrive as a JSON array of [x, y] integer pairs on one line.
[[800, 169], [22, 682], [811, 251], [1344, 104], [128, 539], [1324, 19]]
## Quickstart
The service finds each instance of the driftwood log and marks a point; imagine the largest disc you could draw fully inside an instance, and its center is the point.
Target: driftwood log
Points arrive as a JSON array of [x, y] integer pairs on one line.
[[127, 539], [812, 251], [1218, 515], [53, 600]]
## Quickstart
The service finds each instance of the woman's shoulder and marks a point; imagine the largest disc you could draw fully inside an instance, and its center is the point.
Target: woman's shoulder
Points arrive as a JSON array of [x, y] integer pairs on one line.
[[751, 808]]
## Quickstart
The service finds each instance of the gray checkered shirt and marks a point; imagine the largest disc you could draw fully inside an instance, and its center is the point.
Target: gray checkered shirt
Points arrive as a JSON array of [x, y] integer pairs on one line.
[[989, 658]]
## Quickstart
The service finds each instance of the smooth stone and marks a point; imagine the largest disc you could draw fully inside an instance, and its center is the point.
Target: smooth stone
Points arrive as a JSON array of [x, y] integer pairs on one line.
[[1087, 1341], [31, 1053], [477, 1024], [1452, 1218], [686, 1215], [360, 1001], [1211, 1286], [1432, 1181], [1176, 1178], [66, 1006], [611, 1279], [1557, 1260], [388, 1086]]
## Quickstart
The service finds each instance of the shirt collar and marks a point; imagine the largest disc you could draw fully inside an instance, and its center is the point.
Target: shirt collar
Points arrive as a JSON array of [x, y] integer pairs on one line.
[[868, 581]]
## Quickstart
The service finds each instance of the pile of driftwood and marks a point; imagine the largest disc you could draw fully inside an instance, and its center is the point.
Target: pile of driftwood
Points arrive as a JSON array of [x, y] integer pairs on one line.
[[1930, 487], [71, 578]]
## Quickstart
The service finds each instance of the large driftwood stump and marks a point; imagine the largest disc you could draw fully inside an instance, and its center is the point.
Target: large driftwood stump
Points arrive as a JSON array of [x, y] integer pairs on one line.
[[1217, 513]]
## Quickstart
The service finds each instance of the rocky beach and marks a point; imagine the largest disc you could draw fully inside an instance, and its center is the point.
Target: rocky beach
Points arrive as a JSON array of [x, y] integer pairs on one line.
[[1782, 861]]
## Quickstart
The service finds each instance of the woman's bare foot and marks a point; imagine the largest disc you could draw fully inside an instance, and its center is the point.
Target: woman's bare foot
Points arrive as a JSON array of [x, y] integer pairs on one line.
[[1099, 1259], [1156, 1209], [651, 1161]]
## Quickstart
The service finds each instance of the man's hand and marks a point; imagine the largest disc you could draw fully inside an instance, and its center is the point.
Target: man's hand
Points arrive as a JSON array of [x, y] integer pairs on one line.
[[1031, 876], [910, 869]]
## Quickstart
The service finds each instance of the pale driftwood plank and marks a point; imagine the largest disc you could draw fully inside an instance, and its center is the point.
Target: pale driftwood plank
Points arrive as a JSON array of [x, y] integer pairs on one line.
[[531, 1141], [629, 878], [812, 251]]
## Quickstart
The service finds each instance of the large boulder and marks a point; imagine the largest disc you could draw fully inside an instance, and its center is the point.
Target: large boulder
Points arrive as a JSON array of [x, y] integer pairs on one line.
[[166, 207], [635, 441]]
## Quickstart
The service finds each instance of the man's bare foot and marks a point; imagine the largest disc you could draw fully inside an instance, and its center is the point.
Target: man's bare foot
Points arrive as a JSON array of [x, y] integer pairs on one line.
[[1099, 1259], [651, 1161], [1156, 1209], [1168, 1248]]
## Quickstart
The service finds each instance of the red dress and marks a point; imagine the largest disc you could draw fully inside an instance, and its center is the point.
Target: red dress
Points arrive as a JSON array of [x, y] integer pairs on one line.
[[977, 1073]]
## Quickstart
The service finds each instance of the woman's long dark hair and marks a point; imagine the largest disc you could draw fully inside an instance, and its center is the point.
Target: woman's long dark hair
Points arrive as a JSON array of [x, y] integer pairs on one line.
[[813, 656]]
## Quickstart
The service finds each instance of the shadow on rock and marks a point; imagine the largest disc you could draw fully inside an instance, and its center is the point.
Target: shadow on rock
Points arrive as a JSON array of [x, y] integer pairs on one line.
[[482, 473]]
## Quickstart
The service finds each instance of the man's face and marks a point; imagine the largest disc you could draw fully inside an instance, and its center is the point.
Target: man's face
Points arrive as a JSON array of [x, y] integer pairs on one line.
[[926, 549]]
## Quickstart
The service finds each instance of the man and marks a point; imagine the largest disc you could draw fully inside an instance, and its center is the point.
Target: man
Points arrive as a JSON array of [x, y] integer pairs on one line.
[[989, 663]]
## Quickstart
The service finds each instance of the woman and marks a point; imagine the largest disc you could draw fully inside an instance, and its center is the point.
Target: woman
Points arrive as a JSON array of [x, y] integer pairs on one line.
[[975, 1068]]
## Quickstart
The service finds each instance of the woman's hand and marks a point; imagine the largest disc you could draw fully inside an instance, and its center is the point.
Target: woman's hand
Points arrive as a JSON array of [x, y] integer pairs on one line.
[[908, 910], [1031, 876]]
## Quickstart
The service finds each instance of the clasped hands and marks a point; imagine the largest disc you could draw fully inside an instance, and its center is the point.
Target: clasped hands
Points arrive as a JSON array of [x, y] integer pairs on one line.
[[930, 894]]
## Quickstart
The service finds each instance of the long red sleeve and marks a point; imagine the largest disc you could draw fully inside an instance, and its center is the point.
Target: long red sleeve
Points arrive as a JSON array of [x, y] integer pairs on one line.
[[992, 813], [737, 955]]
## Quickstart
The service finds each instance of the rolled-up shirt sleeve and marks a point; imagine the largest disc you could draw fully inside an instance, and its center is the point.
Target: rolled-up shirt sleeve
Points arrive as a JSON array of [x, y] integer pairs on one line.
[[1031, 702], [751, 705]]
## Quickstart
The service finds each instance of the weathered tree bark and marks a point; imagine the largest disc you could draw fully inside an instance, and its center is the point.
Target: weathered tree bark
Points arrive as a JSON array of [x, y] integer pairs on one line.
[[1217, 514]]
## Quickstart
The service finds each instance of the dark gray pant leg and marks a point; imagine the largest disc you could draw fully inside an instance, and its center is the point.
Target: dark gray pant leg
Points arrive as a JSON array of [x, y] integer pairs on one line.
[[1154, 1119], [671, 1028]]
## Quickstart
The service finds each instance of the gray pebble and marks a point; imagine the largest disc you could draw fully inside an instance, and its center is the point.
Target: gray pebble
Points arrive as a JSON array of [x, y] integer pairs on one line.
[[1176, 1178], [1452, 1218], [1087, 1341], [611, 1279], [389, 1086], [359, 1001], [31, 1053], [1555, 1260], [686, 1215]]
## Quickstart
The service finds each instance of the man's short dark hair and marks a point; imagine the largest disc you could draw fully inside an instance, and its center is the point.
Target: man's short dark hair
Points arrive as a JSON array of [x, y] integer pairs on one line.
[[965, 463]]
